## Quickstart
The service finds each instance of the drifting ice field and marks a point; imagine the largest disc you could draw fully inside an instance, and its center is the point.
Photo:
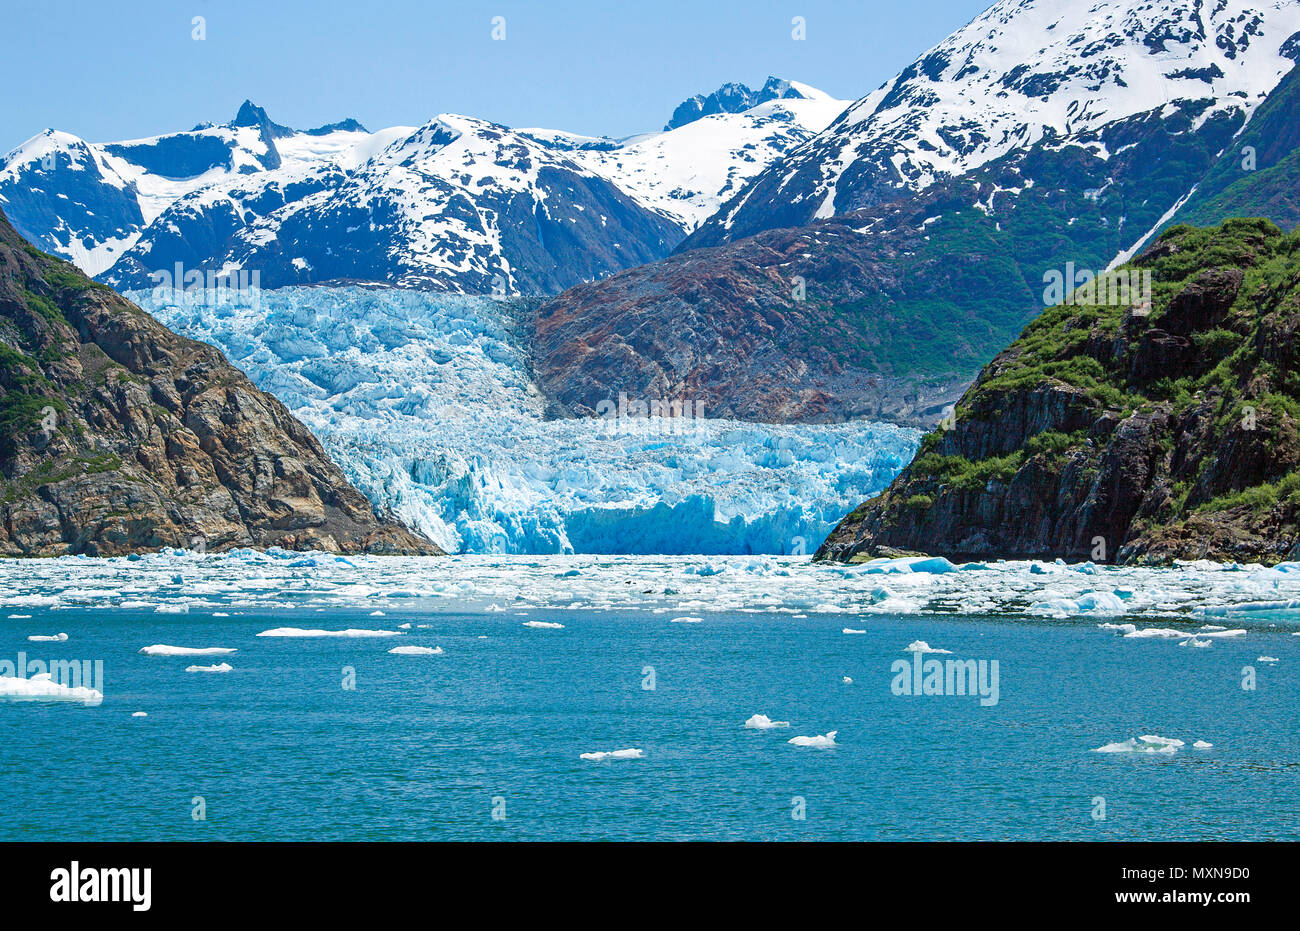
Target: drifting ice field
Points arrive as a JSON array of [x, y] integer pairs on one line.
[[426, 402], [308, 696]]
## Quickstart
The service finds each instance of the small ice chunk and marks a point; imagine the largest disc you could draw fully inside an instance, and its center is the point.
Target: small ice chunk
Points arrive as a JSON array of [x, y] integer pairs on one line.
[[1195, 642], [350, 632], [850, 630], [41, 687], [163, 649], [545, 625], [48, 638], [139, 714], [172, 609], [1202, 745], [377, 614], [1148, 743], [416, 651], [920, 646], [819, 742], [762, 722], [846, 680], [628, 754], [1158, 633], [219, 667], [686, 620], [1267, 659]]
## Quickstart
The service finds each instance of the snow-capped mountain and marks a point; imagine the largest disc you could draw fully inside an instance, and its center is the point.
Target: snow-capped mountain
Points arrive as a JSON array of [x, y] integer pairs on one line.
[[1022, 72], [736, 98], [458, 204], [687, 171]]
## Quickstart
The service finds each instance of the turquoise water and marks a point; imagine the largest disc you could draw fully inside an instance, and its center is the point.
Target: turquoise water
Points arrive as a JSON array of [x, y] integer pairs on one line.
[[278, 749]]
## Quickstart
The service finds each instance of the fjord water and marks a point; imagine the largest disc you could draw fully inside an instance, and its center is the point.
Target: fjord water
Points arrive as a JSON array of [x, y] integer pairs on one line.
[[428, 746]]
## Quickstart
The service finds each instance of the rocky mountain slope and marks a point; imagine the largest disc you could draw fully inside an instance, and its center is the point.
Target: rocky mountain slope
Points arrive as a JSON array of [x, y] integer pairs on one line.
[[116, 435], [1123, 430], [1024, 71], [458, 204], [1259, 174], [888, 311]]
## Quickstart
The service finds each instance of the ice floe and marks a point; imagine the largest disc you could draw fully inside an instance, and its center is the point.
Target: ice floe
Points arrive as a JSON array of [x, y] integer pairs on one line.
[[48, 638], [920, 646], [218, 667], [1150, 743], [544, 625], [163, 649], [820, 742], [686, 620], [629, 754], [416, 651], [315, 632], [42, 687], [762, 722]]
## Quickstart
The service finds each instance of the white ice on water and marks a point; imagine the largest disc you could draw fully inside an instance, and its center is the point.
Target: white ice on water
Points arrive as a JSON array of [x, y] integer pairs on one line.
[[427, 403], [1160, 605], [631, 753], [43, 687]]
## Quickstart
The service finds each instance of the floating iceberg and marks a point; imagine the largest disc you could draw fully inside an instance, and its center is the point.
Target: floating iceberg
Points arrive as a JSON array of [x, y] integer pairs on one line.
[[1150, 743], [762, 722], [820, 742], [309, 632], [162, 649], [920, 646], [629, 754], [41, 687]]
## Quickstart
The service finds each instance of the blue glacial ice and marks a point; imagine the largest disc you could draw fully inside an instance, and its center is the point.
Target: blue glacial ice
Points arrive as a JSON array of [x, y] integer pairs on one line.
[[427, 403]]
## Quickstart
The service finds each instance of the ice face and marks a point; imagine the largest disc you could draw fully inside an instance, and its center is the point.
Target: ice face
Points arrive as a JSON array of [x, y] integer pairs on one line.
[[426, 403]]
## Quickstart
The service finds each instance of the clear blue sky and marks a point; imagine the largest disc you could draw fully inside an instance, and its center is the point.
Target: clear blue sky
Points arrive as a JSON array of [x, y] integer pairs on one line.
[[108, 71]]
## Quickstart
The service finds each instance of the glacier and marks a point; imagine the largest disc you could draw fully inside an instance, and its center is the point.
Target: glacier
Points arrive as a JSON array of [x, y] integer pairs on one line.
[[426, 402]]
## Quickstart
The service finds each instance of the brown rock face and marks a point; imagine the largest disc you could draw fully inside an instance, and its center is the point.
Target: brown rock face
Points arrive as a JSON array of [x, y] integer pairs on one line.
[[117, 435], [1117, 435]]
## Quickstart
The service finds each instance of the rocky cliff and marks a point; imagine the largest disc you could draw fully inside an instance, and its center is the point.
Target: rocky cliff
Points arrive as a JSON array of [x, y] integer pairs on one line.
[[117, 435], [1123, 430]]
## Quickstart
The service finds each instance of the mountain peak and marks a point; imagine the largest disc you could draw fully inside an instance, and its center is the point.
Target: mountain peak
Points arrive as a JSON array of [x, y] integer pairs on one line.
[[250, 114], [731, 97]]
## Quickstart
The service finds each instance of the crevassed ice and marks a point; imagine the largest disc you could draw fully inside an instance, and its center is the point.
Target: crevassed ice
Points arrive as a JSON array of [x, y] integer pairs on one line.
[[426, 402]]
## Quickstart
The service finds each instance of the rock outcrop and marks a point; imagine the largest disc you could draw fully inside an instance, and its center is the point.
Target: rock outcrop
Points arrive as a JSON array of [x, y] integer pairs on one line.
[[1127, 431], [118, 436]]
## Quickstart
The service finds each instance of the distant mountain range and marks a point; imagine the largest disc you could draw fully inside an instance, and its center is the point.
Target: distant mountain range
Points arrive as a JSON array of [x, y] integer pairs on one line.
[[458, 204], [774, 254]]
